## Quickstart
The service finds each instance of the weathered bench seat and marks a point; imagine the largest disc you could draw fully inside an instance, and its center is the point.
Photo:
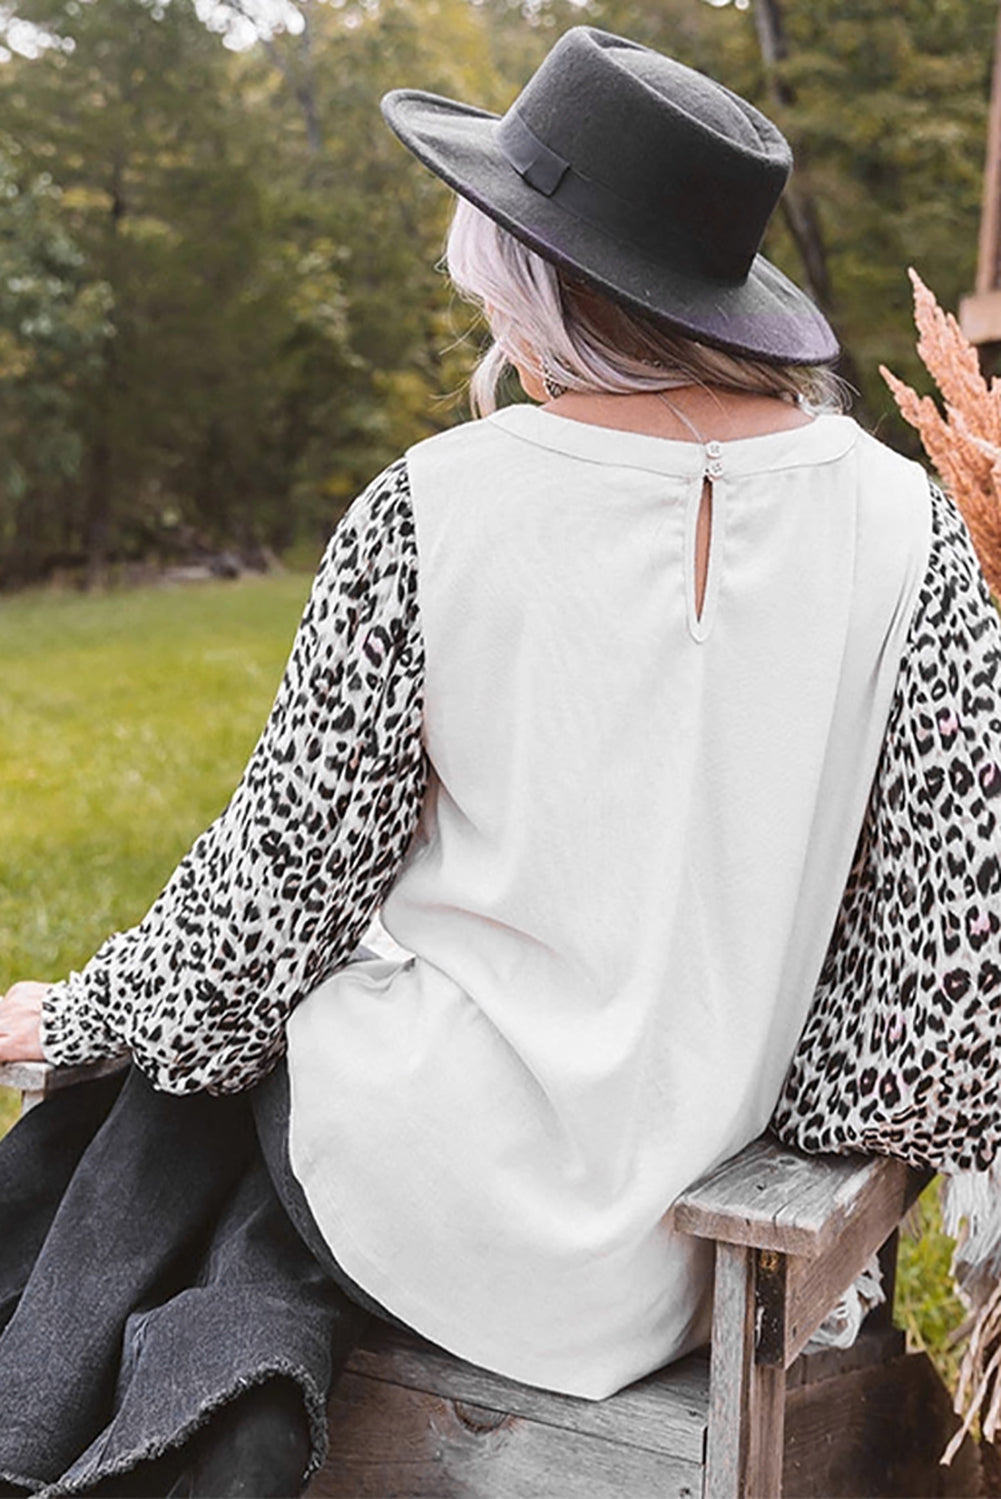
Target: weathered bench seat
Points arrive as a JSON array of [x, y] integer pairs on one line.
[[759, 1414]]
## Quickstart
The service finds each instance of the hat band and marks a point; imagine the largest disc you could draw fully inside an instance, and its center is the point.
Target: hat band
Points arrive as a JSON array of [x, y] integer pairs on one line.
[[651, 232]]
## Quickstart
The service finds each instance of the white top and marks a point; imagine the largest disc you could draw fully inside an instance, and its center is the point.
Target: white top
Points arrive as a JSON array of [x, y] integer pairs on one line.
[[630, 859]]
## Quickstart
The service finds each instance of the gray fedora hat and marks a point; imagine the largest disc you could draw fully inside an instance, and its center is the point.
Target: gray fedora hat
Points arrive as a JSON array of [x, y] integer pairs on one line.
[[642, 177]]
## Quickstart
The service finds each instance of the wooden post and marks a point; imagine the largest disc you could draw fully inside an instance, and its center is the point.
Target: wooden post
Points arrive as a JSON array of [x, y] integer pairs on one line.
[[766, 1408], [746, 1399], [980, 314], [989, 248], [732, 1351], [766, 1433]]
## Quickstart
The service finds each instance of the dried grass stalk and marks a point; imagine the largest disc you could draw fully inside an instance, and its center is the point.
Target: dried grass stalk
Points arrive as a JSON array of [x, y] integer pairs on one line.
[[964, 445]]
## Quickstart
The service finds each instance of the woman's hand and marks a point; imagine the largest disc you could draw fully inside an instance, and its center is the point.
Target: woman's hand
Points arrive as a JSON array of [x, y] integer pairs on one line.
[[20, 1014]]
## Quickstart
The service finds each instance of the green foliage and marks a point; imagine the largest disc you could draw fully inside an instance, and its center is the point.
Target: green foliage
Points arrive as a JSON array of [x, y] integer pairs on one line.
[[890, 113], [273, 329], [53, 323], [132, 117], [886, 109], [220, 312], [926, 1305]]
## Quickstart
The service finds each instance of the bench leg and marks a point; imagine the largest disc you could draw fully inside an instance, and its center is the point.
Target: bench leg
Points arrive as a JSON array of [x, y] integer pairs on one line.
[[766, 1432], [746, 1400], [29, 1100]]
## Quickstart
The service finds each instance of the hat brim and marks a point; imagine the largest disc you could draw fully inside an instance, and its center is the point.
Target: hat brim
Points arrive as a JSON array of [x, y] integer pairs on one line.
[[765, 316]]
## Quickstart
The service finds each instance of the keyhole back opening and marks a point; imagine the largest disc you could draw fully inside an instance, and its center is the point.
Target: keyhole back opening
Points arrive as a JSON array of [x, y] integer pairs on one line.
[[703, 542], [703, 526]]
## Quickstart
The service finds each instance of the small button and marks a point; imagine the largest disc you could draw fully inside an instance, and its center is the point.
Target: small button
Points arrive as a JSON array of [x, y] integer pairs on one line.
[[714, 449], [714, 468]]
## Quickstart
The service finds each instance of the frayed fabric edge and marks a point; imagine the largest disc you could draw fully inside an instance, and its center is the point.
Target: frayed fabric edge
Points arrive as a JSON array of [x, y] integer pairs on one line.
[[971, 1213], [32, 1485], [843, 1323], [316, 1411]]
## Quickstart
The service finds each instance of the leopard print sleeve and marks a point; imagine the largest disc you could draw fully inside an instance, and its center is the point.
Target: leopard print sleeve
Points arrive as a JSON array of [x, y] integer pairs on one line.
[[275, 895], [902, 1045]]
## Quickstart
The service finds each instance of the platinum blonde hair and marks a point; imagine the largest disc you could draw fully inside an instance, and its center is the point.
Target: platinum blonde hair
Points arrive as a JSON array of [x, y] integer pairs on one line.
[[540, 318]]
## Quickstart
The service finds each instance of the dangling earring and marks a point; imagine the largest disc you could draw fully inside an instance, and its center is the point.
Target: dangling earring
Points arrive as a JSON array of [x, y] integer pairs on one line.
[[550, 384]]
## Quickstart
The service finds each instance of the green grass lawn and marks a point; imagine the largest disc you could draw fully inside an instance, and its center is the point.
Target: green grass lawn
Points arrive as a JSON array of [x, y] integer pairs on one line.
[[126, 722]]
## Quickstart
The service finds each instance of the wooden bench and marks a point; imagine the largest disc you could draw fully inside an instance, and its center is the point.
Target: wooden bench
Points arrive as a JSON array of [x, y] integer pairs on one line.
[[759, 1414], [36, 1081]]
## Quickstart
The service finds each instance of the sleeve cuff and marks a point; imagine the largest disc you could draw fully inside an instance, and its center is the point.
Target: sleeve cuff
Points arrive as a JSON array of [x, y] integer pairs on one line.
[[71, 1030]]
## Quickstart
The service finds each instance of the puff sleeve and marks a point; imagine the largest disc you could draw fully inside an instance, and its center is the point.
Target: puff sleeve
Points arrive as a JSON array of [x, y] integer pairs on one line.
[[274, 896], [901, 1053]]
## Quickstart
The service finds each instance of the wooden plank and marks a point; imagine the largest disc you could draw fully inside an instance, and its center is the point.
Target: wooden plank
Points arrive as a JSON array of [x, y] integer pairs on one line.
[[813, 1286], [875, 1344], [770, 1197], [44, 1079], [666, 1412], [765, 1430], [746, 1422], [729, 1373], [882, 1315], [387, 1442], [878, 1430], [980, 317], [770, 1319], [989, 246], [873, 1430], [24, 1077]]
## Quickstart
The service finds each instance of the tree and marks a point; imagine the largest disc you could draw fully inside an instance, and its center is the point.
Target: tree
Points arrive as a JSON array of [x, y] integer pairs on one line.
[[53, 328], [220, 312], [886, 109], [380, 218], [164, 192]]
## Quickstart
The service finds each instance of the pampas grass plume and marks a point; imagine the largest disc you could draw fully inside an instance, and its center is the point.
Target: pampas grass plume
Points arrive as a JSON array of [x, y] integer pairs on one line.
[[964, 445]]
